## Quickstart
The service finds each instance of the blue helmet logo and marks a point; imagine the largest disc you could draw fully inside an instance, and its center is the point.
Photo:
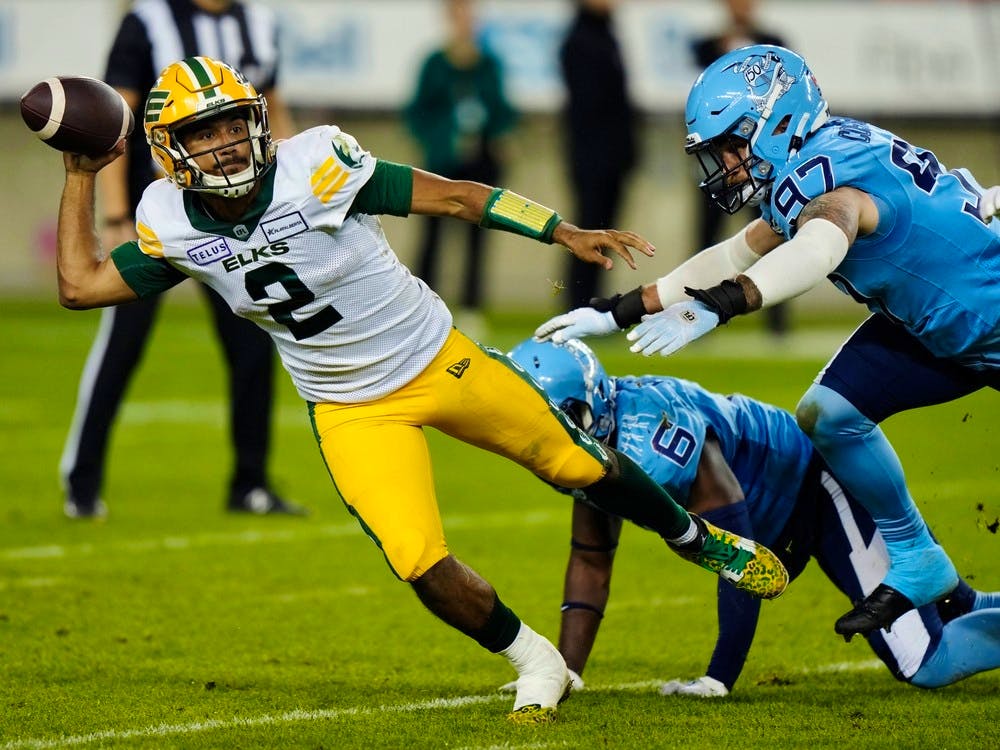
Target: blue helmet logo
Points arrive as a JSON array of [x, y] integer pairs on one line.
[[747, 115], [574, 379]]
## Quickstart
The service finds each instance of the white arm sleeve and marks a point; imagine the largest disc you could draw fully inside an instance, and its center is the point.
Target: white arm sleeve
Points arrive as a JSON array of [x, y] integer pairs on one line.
[[799, 264], [708, 268]]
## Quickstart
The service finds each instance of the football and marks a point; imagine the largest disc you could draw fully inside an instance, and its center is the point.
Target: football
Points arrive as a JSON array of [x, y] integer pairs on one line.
[[77, 113]]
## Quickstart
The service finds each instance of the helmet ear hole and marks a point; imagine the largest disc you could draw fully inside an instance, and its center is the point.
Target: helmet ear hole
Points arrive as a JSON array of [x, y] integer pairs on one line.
[[782, 125]]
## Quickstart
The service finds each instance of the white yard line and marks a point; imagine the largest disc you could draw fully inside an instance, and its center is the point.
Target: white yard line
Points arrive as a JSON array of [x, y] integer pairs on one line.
[[299, 716], [845, 666], [273, 536], [242, 722]]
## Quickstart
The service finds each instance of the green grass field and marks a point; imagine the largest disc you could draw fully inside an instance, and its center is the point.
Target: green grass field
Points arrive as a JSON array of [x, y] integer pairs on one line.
[[173, 624]]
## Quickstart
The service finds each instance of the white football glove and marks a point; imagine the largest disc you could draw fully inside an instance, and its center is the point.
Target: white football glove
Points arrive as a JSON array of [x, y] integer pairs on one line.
[[575, 684], [989, 204], [583, 321], [703, 687], [673, 329]]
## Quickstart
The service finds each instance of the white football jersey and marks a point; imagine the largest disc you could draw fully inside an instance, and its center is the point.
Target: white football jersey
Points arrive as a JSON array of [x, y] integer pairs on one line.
[[350, 322]]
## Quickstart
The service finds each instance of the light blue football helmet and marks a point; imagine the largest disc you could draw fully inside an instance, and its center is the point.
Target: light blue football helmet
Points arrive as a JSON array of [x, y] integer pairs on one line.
[[574, 379], [761, 95]]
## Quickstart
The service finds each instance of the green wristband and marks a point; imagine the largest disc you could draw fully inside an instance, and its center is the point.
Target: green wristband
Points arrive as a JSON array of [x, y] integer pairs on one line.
[[510, 212]]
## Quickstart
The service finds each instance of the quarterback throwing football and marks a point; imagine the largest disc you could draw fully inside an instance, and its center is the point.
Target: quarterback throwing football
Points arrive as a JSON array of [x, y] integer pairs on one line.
[[289, 237]]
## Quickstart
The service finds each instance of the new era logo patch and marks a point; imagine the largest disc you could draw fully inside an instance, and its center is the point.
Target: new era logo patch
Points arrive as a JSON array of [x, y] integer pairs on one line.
[[458, 369]]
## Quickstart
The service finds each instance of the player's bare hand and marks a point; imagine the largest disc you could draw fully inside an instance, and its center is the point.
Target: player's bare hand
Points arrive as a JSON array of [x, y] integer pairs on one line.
[[590, 245], [83, 163]]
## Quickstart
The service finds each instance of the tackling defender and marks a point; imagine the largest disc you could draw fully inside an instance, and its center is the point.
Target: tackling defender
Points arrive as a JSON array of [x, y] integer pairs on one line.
[[889, 225], [746, 467], [289, 236]]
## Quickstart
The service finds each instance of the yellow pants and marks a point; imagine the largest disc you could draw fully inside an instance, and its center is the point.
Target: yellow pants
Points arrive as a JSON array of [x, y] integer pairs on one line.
[[378, 457]]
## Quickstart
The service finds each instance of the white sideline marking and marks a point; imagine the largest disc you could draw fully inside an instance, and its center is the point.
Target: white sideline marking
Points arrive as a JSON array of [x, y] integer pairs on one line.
[[807, 344], [267, 536], [291, 717], [845, 666], [238, 722], [31, 583]]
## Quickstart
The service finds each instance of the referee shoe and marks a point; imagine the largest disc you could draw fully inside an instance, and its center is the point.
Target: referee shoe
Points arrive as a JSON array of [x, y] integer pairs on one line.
[[261, 501]]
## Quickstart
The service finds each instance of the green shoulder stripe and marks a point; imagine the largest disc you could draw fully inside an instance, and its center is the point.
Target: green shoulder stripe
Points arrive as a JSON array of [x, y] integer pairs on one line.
[[145, 275], [388, 191]]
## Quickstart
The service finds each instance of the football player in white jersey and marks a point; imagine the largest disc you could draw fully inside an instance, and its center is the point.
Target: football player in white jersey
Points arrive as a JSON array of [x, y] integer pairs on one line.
[[289, 236]]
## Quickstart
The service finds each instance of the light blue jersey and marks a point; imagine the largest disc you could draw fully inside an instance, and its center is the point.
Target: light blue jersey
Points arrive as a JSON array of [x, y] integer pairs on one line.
[[932, 265], [662, 425]]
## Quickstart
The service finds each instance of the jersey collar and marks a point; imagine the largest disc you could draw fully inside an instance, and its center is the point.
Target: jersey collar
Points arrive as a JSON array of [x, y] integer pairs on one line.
[[239, 230]]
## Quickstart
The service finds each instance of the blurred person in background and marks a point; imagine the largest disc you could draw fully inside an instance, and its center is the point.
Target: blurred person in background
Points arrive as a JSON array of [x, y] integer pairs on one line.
[[459, 115], [153, 34], [747, 467], [846, 201], [741, 30], [600, 125]]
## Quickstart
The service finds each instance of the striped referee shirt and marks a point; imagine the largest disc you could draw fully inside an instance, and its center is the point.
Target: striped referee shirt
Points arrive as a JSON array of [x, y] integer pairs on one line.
[[156, 33]]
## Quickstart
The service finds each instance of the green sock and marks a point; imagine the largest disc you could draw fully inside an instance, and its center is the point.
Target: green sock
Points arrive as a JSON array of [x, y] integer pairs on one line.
[[632, 495], [501, 628]]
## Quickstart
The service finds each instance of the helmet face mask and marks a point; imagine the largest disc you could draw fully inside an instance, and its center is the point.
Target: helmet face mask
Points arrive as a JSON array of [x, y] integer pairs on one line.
[[580, 412], [194, 91], [720, 184], [574, 379], [763, 96]]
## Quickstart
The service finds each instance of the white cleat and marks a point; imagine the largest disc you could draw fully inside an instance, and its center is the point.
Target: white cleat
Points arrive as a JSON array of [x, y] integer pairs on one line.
[[703, 687], [576, 684], [543, 681]]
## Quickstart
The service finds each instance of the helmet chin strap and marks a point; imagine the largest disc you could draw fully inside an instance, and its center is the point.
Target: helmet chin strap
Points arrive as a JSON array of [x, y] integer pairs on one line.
[[233, 186], [605, 425], [798, 137]]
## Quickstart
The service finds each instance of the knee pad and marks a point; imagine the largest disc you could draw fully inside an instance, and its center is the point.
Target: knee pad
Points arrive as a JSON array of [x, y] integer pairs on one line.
[[824, 415], [410, 553], [577, 468]]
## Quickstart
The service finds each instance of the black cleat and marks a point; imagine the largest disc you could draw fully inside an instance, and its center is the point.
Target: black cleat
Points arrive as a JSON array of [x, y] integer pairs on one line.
[[261, 501], [880, 609]]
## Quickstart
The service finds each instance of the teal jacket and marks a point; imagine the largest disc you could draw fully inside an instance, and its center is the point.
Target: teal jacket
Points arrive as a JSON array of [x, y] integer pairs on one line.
[[456, 112]]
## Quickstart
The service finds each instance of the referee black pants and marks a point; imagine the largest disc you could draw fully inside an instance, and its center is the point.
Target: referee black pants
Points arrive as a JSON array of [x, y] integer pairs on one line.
[[113, 358]]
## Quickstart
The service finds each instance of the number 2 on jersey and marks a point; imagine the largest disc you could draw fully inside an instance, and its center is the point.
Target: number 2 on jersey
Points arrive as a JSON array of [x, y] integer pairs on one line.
[[299, 295]]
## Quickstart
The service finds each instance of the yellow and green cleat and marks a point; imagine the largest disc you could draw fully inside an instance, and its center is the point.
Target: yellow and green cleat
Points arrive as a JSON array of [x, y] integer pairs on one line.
[[747, 565], [532, 714]]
